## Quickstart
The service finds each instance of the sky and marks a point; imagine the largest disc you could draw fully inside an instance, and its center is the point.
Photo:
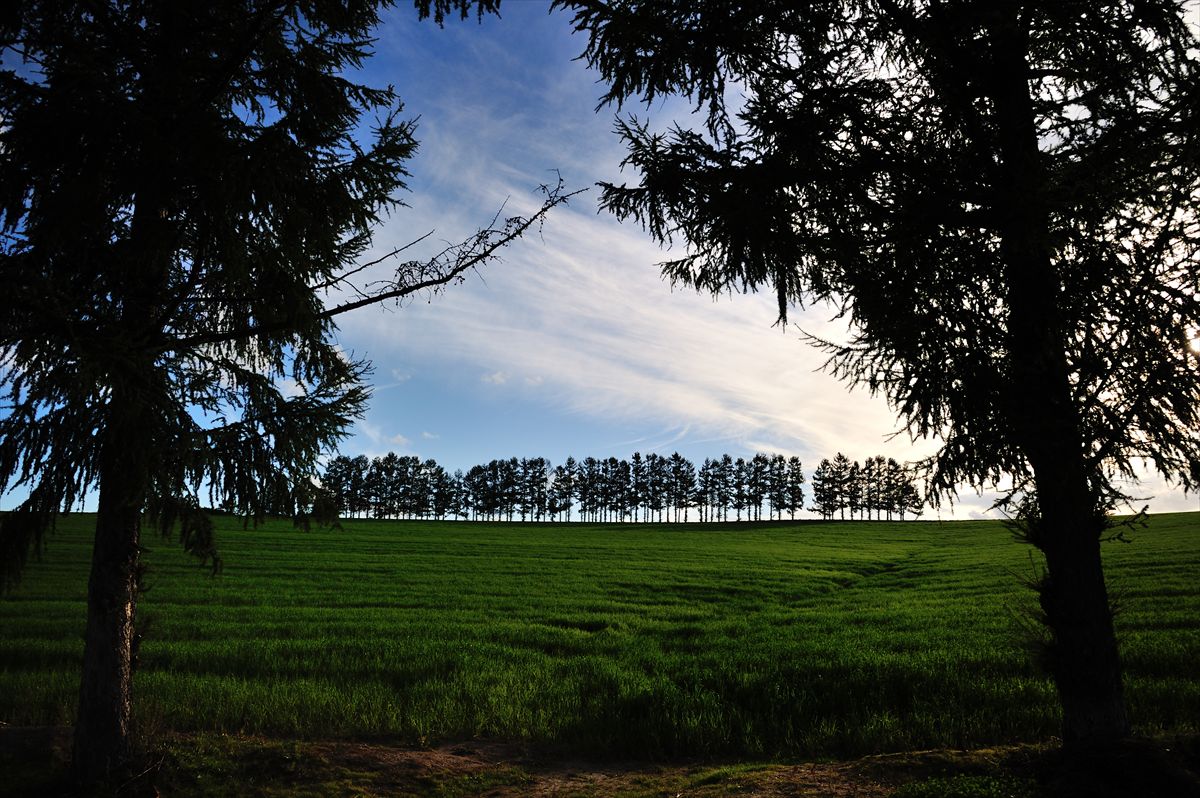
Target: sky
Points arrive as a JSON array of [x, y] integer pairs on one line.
[[574, 345]]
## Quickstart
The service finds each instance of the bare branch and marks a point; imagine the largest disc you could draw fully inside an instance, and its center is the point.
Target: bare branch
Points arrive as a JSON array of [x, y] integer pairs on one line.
[[342, 278], [412, 277]]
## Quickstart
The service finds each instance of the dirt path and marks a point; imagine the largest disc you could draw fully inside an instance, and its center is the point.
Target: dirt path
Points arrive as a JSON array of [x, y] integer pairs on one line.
[[215, 764], [34, 762], [499, 771]]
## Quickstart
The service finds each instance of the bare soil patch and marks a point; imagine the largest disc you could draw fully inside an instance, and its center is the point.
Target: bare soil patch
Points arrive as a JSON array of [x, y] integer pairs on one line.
[[218, 765]]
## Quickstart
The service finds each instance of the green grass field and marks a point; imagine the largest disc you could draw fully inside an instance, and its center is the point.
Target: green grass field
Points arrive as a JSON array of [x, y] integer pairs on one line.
[[766, 641]]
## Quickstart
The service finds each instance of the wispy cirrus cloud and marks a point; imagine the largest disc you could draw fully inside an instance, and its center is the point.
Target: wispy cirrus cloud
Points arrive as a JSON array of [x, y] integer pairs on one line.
[[576, 319]]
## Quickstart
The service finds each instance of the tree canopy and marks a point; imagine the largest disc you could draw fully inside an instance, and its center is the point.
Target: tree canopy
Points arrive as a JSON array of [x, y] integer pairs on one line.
[[646, 488], [188, 193], [1001, 199]]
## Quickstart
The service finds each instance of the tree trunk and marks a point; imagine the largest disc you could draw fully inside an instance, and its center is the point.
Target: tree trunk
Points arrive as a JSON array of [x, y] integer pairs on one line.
[[1083, 655], [103, 725]]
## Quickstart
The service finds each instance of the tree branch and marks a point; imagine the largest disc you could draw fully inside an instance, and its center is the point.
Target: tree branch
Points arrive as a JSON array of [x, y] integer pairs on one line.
[[440, 270]]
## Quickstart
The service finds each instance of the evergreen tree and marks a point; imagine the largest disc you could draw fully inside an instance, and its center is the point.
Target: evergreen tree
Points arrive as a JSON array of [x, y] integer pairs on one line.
[[373, 488], [756, 484], [337, 481], [440, 497], [855, 490], [475, 491], [738, 478], [657, 485], [181, 185], [795, 486], [706, 489], [725, 479], [683, 485], [460, 506], [776, 486], [826, 490], [638, 484], [589, 477], [999, 195], [843, 483], [510, 486], [893, 481], [909, 500], [359, 486], [565, 486]]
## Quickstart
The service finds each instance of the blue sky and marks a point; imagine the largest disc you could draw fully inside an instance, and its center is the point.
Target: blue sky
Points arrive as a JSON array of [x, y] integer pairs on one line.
[[573, 345]]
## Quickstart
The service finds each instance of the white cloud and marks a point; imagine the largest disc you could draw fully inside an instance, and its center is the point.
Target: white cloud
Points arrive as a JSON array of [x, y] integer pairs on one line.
[[377, 437], [588, 315], [581, 313], [289, 388], [373, 432], [430, 436]]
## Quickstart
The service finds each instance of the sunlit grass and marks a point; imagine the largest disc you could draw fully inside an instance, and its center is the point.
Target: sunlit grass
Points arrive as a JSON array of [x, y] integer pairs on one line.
[[754, 640]]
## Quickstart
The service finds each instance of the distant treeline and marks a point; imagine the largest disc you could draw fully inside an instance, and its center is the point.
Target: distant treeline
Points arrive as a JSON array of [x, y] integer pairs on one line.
[[648, 487]]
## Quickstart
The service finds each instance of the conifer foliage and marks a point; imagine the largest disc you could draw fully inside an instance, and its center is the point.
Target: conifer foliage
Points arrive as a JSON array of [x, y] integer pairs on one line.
[[1000, 196], [648, 488], [188, 191]]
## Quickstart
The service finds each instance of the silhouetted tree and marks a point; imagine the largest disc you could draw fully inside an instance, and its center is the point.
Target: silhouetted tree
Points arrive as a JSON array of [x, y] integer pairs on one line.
[[737, 486], [359, 488], [181, 186], [440, 498], [795, 486], [658, 481], [459, 506], [638, 484], [706, 489], [999, 195], [337, 481], [726, 478], [843, 479], [826, 491], [586, 488], [475, 491], [854, 490], [756, 484], [683, 485], [565, 486]]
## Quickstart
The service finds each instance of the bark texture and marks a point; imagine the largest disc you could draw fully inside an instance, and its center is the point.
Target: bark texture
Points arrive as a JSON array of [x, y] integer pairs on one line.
[[1083, 656], [104, 724]]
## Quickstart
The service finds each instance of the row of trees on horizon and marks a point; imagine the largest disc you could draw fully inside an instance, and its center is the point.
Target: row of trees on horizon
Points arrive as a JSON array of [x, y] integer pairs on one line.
[[651, 487]]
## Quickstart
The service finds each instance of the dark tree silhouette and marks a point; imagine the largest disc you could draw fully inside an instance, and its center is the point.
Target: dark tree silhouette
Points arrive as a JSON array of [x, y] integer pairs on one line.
[[337, 481], [825, 490], [843, 483], [182, 185], [1000, 195], [685, 486], [795, 486], [565, 486], [650, 488]]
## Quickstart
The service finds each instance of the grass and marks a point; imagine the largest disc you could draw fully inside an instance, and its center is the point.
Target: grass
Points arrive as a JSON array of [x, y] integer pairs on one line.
[[968, 787], [754, 641]]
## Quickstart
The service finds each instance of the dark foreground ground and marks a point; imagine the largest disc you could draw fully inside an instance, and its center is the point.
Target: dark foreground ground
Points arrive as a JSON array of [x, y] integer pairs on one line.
[[33, 762]]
